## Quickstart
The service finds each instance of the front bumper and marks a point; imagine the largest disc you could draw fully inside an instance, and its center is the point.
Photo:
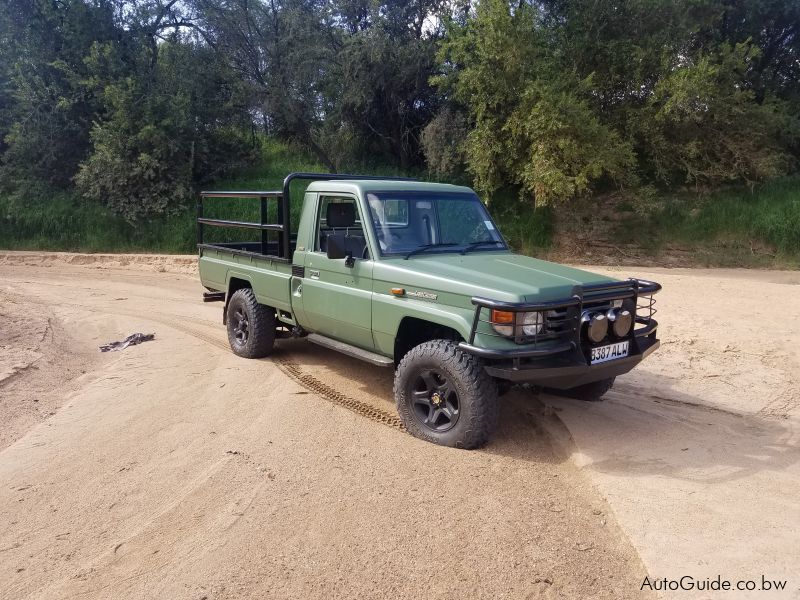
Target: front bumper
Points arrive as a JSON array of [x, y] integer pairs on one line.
[[562, 363], [565, 373]]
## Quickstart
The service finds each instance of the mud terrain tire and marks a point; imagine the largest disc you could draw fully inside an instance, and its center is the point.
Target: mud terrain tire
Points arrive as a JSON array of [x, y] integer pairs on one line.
[[444, 396], [251, 326]]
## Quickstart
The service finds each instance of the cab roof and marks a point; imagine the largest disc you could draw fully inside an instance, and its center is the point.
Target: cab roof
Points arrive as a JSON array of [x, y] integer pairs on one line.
[[362, 186]]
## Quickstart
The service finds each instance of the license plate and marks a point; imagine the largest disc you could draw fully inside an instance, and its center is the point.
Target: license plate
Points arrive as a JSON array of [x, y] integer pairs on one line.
[[612, 351]]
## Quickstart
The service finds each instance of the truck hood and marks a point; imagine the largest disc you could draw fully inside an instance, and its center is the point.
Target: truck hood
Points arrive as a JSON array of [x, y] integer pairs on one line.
[[499, 276]]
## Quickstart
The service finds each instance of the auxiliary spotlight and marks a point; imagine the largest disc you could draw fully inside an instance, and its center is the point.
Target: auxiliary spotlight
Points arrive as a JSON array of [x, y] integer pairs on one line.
[[597, 326]]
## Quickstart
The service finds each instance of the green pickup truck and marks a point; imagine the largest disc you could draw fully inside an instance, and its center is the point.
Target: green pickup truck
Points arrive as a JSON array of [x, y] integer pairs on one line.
[[416, 276]]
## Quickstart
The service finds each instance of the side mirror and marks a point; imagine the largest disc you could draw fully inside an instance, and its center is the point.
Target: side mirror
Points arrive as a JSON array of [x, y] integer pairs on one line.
[[337, 248]]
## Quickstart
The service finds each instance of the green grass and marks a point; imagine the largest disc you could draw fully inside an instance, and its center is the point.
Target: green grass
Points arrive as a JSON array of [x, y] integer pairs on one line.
[[734, 226], [62, 221]]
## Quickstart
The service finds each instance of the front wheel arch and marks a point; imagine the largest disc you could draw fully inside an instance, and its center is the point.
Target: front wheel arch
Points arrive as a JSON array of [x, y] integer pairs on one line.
[[413, 331]]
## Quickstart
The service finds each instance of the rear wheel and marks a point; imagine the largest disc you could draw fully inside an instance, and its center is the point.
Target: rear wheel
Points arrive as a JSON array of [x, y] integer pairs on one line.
[[444, 396], [251, 326], [589, 392]]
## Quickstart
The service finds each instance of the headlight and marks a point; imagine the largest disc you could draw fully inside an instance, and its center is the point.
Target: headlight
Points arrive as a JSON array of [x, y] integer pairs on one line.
[[501, 322], [528, 323], [532, 323]]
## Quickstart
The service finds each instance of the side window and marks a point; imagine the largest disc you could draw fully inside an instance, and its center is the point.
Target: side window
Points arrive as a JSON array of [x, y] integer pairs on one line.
[[339, 215]]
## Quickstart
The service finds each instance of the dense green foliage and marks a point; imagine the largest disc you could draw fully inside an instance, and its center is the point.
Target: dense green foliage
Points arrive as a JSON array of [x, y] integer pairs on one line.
[[533, 126], [46, 111], [566, 97], [164, 133], [118, 111], [348, 79]]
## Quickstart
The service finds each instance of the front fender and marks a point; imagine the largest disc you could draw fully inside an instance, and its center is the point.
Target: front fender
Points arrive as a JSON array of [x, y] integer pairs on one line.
[[388, 311]]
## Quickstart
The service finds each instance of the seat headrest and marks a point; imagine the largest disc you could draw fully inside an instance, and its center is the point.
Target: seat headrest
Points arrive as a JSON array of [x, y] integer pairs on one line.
[[341, 214]]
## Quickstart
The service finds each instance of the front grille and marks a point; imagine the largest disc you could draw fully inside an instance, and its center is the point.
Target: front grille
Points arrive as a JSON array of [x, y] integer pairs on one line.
[[560, 321]]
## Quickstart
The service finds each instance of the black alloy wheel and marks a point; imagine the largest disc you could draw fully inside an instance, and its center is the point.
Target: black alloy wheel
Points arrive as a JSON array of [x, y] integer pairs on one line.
[[241, 327], [435, 401], [445, 396]]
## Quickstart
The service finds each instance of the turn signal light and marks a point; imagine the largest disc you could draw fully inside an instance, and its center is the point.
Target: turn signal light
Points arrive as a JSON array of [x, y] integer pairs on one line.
[[398, 291], [502, 316]]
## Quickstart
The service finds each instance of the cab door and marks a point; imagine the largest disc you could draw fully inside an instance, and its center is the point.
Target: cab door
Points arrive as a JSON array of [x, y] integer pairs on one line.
[[337, 299]]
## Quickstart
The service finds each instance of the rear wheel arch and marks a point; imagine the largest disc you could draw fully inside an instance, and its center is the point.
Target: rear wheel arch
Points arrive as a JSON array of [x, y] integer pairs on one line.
[[414, 331], [234, 284]]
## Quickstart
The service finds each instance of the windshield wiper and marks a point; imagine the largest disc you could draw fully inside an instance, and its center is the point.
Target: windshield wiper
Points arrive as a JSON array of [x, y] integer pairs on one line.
[[427, 247], [474, 245]]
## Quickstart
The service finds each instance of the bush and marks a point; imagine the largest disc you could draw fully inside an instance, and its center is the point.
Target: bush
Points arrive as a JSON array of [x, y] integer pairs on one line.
[[702, 127], [443, 143]]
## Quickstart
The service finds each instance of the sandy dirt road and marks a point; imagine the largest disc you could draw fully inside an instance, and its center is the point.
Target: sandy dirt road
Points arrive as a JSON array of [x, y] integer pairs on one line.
[[176, 470]]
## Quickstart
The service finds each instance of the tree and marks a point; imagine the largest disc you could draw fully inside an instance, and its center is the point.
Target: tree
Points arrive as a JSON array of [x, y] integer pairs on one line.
[[348, 80], [566, 96], [533, 124], [381, 82], [48, 111], [173, 122], [281, 50], [706, 127]]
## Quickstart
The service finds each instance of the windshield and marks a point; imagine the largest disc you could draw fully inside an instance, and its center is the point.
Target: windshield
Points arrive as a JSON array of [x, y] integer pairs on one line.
[[412, 222]]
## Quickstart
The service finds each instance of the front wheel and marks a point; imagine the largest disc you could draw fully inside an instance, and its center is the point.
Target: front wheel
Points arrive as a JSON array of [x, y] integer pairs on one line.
[[444, 396], [251, 326]]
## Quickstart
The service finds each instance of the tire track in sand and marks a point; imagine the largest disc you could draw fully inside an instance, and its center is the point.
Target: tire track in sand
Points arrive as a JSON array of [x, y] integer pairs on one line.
[[295, 371], [323, 390]]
